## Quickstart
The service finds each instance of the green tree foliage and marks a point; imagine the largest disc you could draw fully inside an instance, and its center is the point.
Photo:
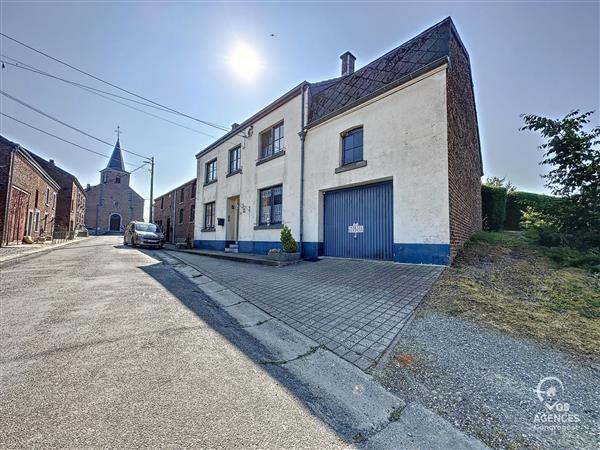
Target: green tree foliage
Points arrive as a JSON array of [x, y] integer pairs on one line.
[[493, 207], [288, 243], [573, 154], [500, 182]]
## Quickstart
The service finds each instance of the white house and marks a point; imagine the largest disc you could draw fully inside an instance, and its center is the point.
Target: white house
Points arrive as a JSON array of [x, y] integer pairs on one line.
[[380, 163]]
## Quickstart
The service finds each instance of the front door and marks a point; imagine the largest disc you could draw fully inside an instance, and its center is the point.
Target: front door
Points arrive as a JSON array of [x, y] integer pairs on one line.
[[168, 230], [233, 219], [114, 222]]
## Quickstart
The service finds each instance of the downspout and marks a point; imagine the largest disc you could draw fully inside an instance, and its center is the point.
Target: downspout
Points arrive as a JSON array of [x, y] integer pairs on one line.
[[302, 135], [8, 198]]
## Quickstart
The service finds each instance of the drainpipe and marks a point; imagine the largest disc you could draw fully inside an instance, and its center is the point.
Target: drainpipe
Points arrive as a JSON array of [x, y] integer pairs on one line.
[[302, 135], [8, 198]]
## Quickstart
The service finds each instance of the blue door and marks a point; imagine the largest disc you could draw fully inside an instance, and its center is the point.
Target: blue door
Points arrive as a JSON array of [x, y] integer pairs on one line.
[[358, 222]]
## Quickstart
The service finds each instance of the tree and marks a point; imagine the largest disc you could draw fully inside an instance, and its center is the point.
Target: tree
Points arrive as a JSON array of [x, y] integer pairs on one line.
[[501, 183], [573, 154]]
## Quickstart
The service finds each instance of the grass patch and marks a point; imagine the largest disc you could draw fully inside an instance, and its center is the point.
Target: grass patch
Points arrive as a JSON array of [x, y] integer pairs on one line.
[[505, 281]]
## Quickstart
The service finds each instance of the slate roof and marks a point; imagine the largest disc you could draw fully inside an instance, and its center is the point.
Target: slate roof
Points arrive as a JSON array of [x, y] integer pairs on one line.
[[116, 159], [427, 49]]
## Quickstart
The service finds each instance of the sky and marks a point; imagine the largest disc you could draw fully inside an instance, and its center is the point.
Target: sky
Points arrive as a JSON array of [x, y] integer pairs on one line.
[[527, 57]]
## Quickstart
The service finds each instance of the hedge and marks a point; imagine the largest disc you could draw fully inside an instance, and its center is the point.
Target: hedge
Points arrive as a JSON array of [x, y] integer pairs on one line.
[[517, 202], [493, 207]]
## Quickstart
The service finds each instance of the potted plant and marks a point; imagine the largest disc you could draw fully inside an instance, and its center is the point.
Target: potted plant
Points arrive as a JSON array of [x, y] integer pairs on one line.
[[289, 247]]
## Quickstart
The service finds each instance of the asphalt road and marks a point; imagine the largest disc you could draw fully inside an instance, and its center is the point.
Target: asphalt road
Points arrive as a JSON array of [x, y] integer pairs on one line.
[[100, 347]]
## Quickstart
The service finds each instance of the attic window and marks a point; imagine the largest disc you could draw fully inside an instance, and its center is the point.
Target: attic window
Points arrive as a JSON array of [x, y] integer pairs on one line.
[[118, 180]]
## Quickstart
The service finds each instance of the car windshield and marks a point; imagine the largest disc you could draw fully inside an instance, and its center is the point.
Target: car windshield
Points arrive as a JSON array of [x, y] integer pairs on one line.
[[150, 227]]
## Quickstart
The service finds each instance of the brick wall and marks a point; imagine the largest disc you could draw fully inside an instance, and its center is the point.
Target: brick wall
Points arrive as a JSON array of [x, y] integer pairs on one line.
[[464, 156], [168, 207], [4, 175]]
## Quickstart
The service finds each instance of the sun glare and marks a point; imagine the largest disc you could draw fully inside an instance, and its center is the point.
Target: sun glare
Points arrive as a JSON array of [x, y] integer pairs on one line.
[[244, 61]]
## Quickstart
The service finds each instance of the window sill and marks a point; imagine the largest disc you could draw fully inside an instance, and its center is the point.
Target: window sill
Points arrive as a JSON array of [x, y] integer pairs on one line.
[[235, 172], [275, 226], [269, 158], [210, 182], [351, 166], [207, 230]]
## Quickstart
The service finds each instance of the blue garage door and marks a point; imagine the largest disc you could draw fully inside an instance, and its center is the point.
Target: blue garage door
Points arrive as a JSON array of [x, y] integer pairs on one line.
[[358, 222]]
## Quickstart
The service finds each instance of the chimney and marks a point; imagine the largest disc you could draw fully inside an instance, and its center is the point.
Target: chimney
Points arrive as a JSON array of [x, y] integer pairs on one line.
[[347, 63], [88, 187], [51, 162], [234, 126]]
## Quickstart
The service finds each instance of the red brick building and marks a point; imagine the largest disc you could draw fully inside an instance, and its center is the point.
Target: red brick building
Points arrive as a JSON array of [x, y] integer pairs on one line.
[[175, 212], [28, 195], [70, 204]]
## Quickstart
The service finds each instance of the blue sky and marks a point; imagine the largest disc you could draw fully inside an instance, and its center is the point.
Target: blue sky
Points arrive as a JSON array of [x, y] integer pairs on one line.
[[530, 57]]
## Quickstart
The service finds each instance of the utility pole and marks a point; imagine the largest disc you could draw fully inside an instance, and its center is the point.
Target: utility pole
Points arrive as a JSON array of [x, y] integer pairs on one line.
[[151, 162]]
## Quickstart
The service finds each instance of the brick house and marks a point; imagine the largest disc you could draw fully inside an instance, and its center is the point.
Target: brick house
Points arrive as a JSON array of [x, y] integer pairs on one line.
[[70, 204], [28, 195], [379, 163], [112, 204], [175, 212]]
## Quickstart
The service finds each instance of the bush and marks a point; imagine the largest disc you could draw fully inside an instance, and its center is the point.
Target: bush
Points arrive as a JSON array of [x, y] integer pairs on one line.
[[288, 243], [518, 202], [493, 205]]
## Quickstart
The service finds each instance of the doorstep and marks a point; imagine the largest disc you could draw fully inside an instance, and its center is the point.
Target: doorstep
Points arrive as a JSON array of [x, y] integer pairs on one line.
[[250, 258]]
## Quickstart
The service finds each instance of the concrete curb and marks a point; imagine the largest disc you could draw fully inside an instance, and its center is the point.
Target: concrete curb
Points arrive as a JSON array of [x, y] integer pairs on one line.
[[347, 398]]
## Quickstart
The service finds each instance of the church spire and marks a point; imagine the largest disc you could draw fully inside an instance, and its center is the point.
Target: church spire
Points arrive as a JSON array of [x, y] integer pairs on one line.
[[116, 159]]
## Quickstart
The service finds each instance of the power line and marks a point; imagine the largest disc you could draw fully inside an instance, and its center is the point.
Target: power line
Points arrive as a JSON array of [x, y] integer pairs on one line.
[[99, 92], [58, 137], [66, 124], [173, 111]]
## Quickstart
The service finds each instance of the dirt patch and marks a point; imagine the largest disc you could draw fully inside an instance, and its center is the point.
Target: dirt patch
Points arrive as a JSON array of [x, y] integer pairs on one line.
[[503, 281]]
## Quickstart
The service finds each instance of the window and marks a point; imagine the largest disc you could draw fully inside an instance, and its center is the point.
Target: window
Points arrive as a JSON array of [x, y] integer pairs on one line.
[[209, 215], [181, 215], [47, 196], [352, 146], [234, 159], [211, 171], [45, 229], [192, 213], [162, 202], [36, 224], [271, 141], [193, 193], [54, 201], [37, 196], [118, 180], [270, 205], [105, 177]]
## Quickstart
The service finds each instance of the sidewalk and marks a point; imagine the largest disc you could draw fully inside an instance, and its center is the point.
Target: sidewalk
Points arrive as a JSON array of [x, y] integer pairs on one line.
[[12, 252]]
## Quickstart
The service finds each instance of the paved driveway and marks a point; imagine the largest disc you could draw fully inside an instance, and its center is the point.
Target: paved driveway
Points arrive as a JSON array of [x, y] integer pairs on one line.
[[354, 308]]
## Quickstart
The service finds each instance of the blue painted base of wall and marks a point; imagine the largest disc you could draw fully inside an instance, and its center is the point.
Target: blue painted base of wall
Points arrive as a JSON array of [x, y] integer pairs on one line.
[[422, 253], [403, 253]]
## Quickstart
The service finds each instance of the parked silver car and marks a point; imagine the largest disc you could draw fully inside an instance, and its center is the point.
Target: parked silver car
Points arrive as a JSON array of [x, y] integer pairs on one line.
[[143, 234]]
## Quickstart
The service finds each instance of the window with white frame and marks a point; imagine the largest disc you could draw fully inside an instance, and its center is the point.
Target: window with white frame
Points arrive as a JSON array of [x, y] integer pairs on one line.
[[271, 200]]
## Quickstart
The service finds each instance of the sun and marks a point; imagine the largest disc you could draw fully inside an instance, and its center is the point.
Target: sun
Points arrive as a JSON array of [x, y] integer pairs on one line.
[[244, 61]]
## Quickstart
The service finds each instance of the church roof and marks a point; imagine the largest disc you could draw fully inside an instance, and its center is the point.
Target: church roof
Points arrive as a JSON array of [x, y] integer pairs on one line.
[[116, 159]]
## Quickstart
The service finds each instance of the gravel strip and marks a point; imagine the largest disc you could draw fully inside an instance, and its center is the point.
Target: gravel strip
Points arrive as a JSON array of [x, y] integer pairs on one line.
[[484, 381]]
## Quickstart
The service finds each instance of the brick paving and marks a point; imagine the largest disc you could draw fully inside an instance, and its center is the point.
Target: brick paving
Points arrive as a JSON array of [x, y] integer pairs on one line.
[[354, 308]]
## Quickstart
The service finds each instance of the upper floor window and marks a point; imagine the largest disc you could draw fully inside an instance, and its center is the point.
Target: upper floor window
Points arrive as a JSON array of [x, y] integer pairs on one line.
[[105, 177], [181, 215], [118, 180], [271, 200], [193, 192], [211, 171], [47, 196], [234, 159], [162, 202], [37, 197], [271, 141], [181, 194], [209, 215], [352, 146], [192, 213]]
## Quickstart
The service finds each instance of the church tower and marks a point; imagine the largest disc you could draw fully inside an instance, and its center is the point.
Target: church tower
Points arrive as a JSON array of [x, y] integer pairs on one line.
[[112, 204]]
